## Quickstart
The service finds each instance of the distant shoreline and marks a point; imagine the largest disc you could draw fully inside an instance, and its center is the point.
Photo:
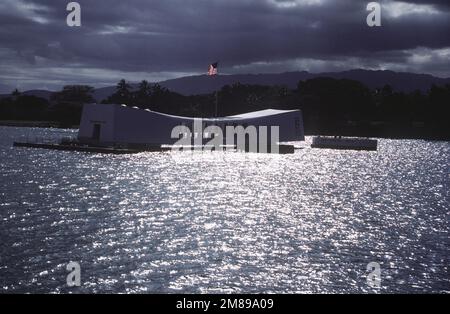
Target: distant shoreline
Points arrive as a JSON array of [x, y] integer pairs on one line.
[[56, 125], [36, 124]]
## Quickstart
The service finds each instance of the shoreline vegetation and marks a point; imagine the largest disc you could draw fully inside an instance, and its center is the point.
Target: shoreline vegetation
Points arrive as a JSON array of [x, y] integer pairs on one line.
[[35, 124], [329, 106]]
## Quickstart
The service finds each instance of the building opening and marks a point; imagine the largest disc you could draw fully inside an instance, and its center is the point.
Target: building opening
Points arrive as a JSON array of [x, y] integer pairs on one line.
[[96, 132]]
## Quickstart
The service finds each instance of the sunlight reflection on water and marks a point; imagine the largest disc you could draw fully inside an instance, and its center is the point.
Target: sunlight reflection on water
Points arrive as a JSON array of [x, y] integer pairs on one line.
[[225, 222]]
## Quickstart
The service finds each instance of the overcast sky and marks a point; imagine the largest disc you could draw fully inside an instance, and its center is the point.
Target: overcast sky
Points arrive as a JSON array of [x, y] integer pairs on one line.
[[162, 39]]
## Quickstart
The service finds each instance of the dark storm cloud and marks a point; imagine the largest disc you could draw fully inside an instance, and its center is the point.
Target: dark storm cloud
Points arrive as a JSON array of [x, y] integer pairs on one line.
[[161, 39], [440, 4]]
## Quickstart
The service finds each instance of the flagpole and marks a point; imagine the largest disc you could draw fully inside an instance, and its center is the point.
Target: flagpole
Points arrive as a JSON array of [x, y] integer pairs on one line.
[[217, 92], [217, 102], [212, 71]]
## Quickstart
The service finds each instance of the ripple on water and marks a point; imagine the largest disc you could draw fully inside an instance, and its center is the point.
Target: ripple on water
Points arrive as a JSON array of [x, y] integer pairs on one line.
[[225, 222]]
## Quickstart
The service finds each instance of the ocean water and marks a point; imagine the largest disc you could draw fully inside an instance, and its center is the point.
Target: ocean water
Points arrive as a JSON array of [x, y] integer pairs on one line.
[[216, 222]]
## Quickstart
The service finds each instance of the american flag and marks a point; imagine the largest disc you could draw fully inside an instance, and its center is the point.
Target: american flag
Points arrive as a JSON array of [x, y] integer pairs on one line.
[[212, 70]]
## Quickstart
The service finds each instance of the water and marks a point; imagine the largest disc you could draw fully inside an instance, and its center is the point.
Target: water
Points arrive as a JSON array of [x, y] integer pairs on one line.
[[224, 222]]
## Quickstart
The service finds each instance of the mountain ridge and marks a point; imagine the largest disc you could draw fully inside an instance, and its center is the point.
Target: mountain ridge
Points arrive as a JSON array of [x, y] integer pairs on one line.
[[203, 84]]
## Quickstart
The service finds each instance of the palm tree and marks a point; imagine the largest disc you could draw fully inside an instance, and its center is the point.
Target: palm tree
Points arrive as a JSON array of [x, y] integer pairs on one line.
[[144, 89], [143, 94], [15, 93], [123, 88], [158, 89], [123, 94]]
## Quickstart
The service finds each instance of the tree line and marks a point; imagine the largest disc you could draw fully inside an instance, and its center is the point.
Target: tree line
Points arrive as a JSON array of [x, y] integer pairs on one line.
[[329, 106]]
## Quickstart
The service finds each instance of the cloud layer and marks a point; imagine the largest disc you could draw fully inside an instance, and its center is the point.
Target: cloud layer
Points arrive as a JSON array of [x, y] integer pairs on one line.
[[161, 39]]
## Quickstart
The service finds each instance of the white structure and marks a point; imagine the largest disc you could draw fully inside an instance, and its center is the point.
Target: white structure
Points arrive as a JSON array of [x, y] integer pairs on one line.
[[120, 125]]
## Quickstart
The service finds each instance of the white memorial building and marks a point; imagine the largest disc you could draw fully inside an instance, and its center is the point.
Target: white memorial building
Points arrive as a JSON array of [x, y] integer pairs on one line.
[[121, 125]]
